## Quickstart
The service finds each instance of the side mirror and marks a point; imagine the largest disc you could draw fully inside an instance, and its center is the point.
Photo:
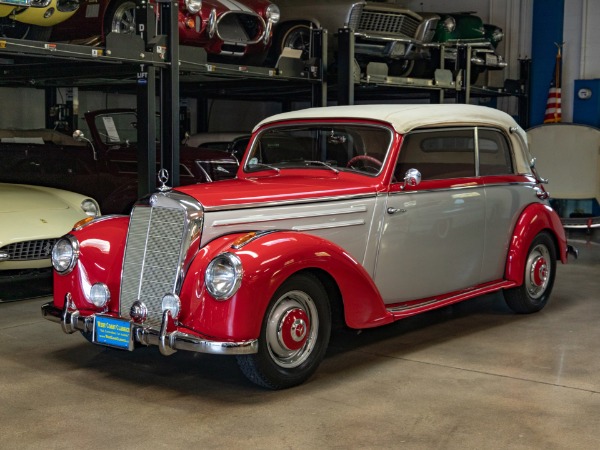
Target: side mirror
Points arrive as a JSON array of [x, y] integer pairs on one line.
[[80, 137], [411, 178]]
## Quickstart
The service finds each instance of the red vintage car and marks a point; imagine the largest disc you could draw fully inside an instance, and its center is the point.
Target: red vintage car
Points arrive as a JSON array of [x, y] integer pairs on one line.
[[232, 28], [342, 216]]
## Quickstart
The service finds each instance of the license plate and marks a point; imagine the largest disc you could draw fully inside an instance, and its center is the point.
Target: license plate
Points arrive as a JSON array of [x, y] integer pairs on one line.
[[113, 332]]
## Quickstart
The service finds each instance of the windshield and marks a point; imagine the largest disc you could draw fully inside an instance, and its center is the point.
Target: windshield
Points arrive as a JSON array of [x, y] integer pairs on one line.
[[337, 147], [117, 128]]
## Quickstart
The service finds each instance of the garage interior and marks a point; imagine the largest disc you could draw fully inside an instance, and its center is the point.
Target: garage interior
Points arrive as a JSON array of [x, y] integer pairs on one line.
[[470, 375]]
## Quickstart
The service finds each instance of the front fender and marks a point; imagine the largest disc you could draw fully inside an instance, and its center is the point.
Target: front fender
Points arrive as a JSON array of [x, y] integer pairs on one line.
[[267, 262], [101, 249], [534, 219]]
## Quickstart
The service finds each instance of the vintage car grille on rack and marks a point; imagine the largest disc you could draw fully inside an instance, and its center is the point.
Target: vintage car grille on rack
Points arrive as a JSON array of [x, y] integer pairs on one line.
[[387, 23], [240, 27], [29, 250], [156, 245]]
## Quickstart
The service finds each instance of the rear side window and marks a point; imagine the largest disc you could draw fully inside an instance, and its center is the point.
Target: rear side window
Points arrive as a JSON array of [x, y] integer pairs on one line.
[[438, 155], [445, 154], [494, 153]]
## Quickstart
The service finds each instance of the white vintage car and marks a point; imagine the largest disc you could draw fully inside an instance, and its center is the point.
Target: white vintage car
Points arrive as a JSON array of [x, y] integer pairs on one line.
[[32, 218], [353, 216]]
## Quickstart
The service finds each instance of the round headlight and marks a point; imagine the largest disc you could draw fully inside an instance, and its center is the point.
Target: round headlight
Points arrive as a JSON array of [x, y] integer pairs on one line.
[[172, 303], [90, 207], [497, 35], [65, 254], [193, 6], [99, 295], [224, 276], [449, 24], [273, 13]]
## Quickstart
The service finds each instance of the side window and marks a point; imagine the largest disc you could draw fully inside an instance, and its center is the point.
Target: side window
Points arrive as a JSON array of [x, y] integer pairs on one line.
[[438, 154], [494, 153]]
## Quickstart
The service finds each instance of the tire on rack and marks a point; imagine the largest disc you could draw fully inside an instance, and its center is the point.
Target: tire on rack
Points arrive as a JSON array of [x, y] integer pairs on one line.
[[293, 35], [19, 30], [120, 17], [540, 271], [294, 335]]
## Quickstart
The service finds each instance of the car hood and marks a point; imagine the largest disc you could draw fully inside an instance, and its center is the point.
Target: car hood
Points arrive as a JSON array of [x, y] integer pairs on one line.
[[28, 213], [19, 198], [280, 188]]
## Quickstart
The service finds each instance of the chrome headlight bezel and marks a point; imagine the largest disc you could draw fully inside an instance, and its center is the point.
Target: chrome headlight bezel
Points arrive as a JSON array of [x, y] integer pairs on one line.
[[65, 254], [90, 207], [193, 6], [273, 13], [223, 276], [449, 24]]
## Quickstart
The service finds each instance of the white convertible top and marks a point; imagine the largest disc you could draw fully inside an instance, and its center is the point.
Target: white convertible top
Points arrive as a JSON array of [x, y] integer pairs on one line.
[[405, 118]]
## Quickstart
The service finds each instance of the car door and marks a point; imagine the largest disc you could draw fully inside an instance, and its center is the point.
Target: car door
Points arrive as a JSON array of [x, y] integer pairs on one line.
[[432, 239]]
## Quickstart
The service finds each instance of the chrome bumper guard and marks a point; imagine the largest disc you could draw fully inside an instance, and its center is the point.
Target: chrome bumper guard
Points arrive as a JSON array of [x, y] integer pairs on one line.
[[168, 343]]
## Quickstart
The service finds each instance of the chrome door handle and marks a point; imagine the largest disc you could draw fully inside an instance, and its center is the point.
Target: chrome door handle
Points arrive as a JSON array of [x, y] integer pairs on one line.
[[391, 210]]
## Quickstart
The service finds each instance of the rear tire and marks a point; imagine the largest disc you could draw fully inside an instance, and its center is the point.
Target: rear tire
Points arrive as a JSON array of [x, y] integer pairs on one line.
[[540, 271], [294, 335]]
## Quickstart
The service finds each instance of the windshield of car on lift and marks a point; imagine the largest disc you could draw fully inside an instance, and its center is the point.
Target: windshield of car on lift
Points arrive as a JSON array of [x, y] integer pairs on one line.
[[333, 146], [117, 128]]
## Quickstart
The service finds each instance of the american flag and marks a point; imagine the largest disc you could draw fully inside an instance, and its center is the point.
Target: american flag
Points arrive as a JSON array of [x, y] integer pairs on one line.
[[553, 111]]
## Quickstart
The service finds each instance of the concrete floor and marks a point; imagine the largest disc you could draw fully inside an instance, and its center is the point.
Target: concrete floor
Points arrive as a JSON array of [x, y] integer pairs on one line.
[[472, 376]]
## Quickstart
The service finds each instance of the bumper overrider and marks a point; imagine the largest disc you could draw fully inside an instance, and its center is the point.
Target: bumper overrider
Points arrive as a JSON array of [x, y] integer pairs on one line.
[[168, 343]]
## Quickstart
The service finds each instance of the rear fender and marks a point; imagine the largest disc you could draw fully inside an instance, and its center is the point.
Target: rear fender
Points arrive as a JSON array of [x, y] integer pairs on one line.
[[534, 219], [267, 262]]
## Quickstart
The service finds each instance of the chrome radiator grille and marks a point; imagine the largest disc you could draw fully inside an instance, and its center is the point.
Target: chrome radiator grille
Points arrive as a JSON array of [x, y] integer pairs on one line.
[[29, 250], [388, 23], [152, 258]]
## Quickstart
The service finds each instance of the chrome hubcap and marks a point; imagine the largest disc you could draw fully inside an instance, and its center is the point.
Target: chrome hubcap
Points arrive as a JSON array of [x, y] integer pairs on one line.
[[124, 19], [538, 271], [292, 329]]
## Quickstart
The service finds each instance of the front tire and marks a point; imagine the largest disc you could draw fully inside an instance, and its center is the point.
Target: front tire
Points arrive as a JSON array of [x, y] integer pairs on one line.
[[19, 30], [294, 335], [120, 18], [540, 271]]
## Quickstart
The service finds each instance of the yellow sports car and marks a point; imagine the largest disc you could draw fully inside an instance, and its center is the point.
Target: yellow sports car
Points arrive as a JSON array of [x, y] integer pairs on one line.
[[33, 19], [32, 218]]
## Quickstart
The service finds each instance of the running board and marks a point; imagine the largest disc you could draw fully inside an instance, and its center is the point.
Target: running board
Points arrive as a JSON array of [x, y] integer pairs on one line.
[[406, 309]]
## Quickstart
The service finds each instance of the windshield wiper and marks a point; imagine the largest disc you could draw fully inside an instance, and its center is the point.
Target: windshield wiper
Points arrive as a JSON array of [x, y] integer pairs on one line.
[[324, 164], [253, 165]]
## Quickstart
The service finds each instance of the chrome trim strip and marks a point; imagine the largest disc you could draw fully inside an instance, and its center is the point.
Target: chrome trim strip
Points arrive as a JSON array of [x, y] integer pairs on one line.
[[455, 188], [72, 321], [278, 217], [289, 202], [324, 226]]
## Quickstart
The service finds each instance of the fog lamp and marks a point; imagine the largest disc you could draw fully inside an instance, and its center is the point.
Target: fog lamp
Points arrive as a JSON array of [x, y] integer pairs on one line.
[[398, 49], [99, 295], [48, 13], [193, 6], [172, 303]]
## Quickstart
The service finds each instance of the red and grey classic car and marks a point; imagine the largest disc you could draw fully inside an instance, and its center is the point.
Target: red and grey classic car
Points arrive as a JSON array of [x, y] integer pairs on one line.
[[342, 216], [236, 28], [102, 163]]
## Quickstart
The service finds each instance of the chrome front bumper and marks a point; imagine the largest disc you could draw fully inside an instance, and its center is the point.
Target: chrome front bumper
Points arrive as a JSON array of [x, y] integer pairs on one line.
[[167, 342]]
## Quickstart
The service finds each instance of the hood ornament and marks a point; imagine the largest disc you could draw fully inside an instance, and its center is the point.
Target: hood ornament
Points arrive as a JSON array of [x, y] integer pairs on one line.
[[163, 177]]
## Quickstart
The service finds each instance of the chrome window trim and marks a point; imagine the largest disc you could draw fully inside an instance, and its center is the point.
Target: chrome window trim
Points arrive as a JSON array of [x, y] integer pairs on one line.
[[469, 186]]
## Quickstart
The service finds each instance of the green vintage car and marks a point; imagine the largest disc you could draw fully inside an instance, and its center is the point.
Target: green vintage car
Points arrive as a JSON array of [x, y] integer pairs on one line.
[[465, 28]]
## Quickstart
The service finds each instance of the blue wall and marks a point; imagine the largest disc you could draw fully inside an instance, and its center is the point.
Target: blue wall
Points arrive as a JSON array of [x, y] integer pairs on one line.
[[548, 20]]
